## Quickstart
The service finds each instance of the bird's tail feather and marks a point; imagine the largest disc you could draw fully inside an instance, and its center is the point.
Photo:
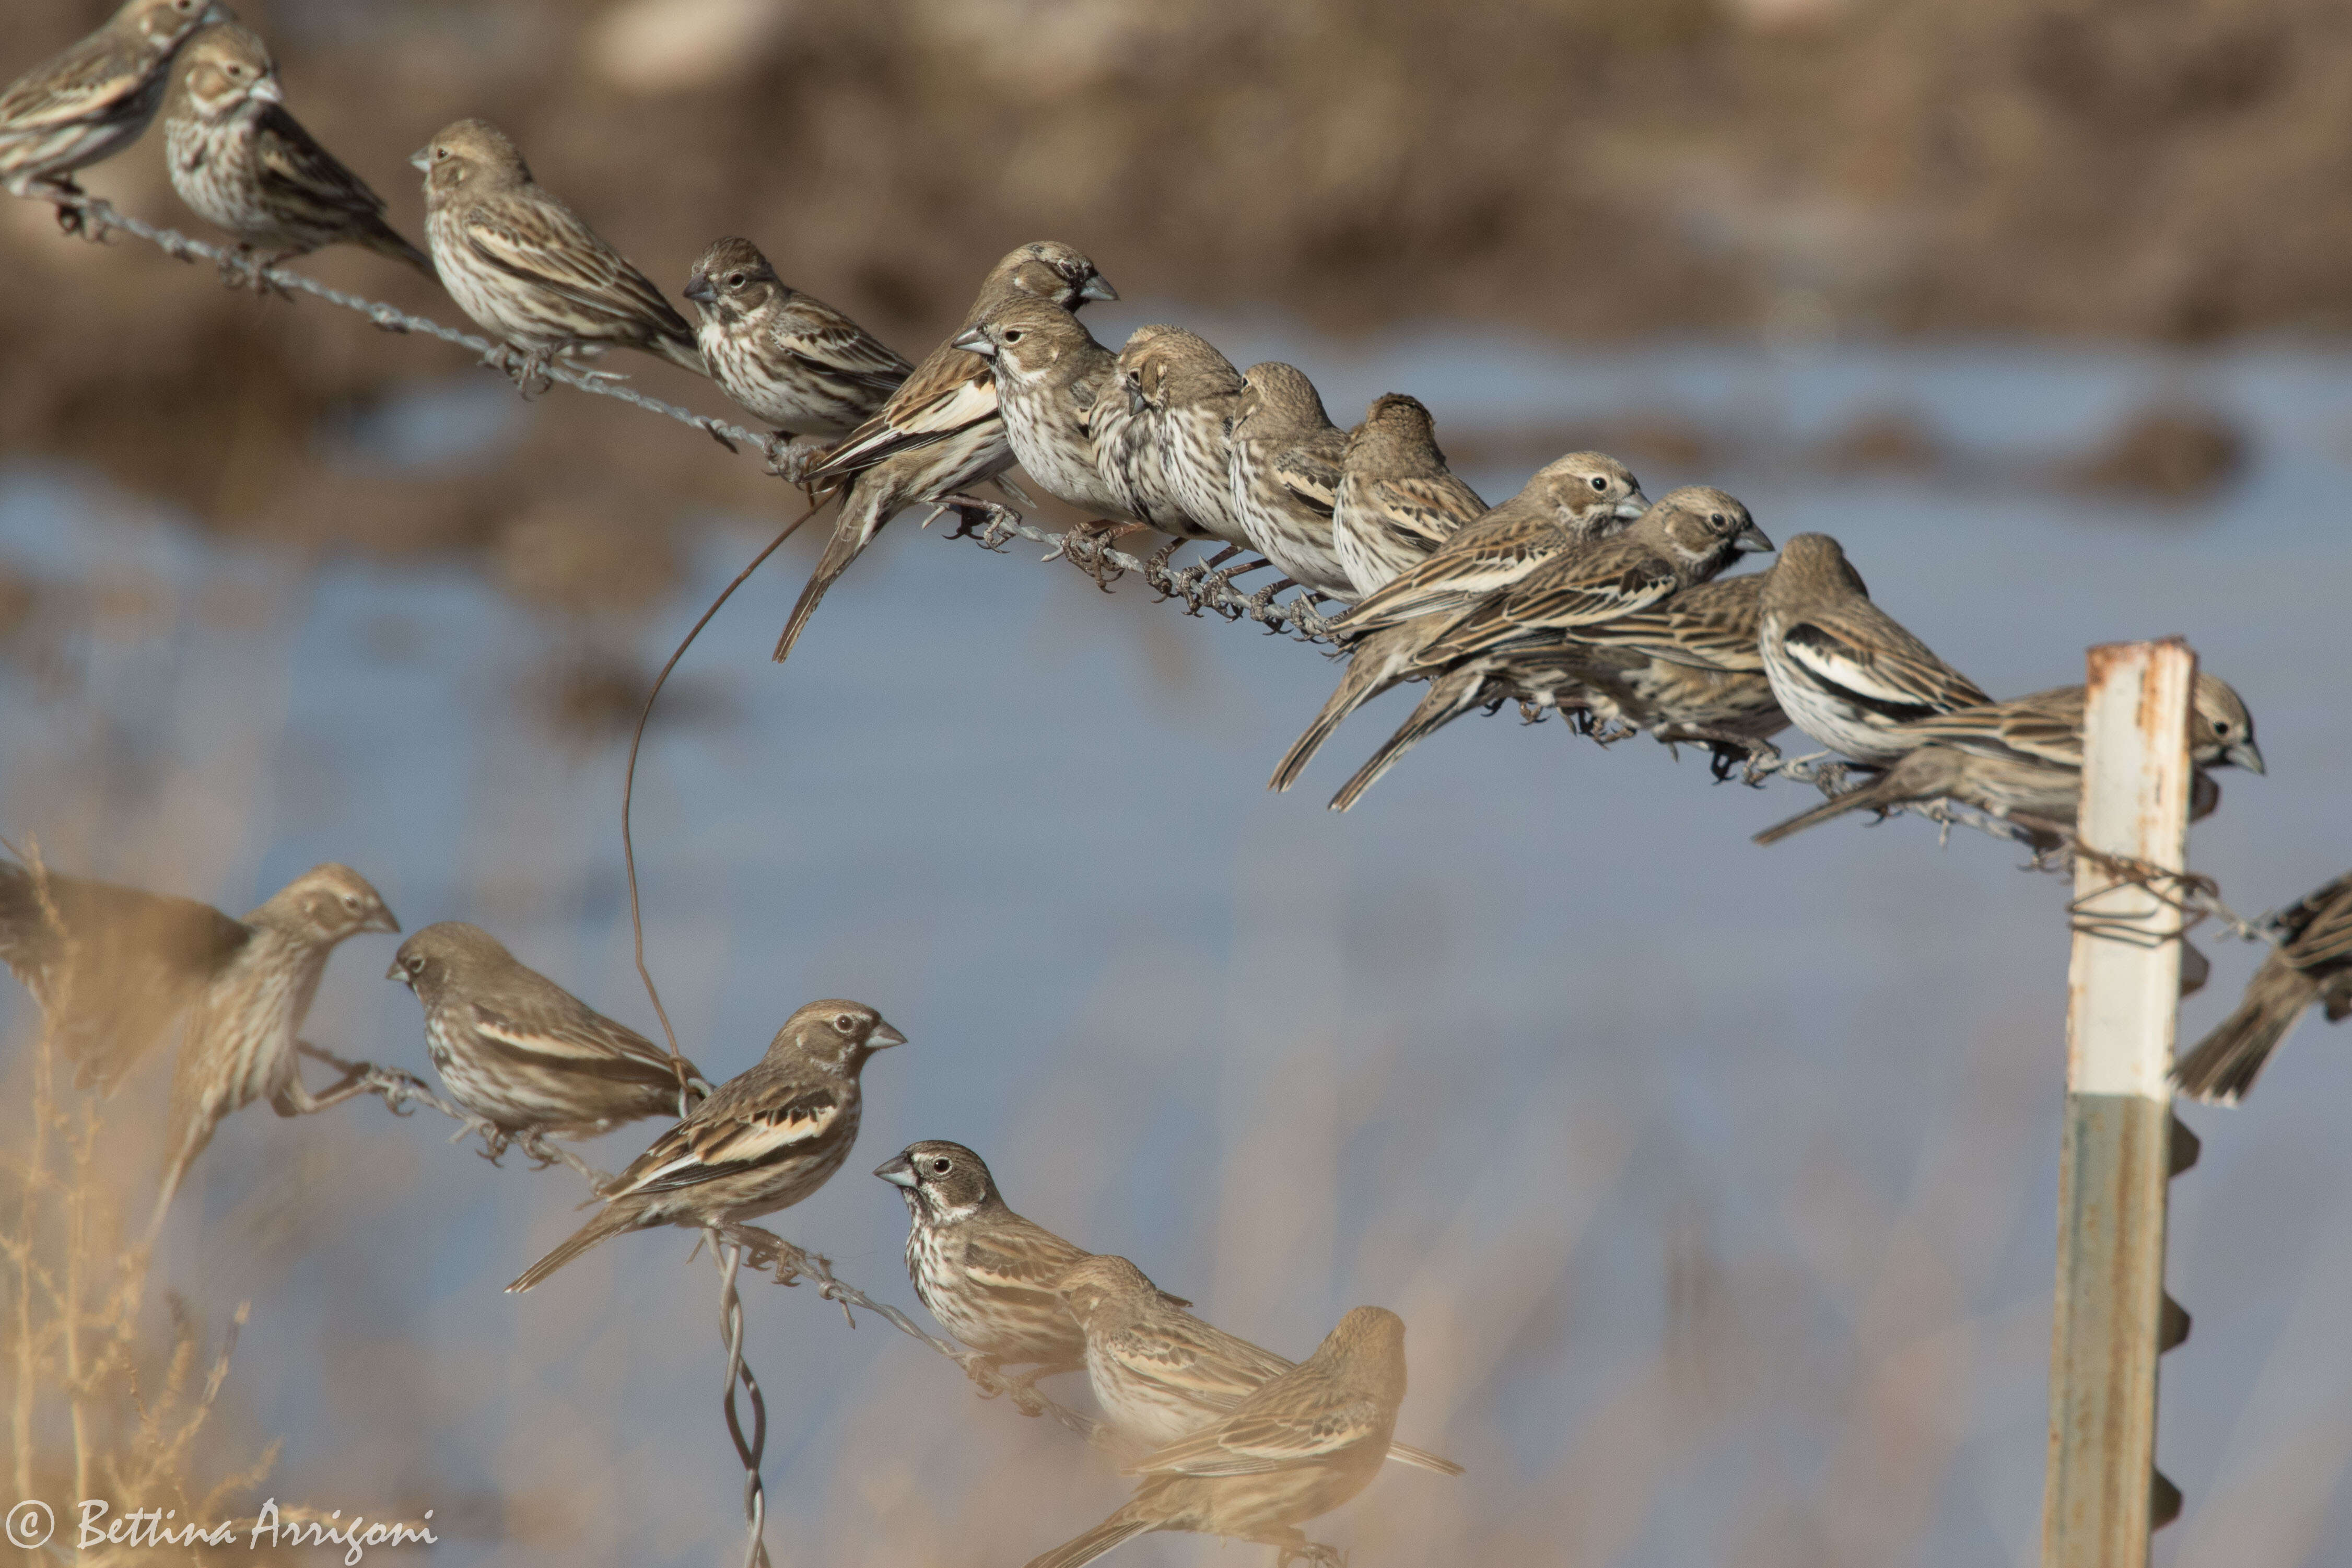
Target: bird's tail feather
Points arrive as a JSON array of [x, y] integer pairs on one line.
[[1449, 697], [2223, 1065], [1119, 1527], [852, 533], [1422, 1459], [1378, 665], [615, 1219], [1879, 791], [682, 353]]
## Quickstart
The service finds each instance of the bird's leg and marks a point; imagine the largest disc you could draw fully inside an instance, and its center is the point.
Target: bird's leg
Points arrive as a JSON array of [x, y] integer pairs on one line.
[[264, 285], [296, 1100], [969, 509], [238, 269], [1024, 1388], [1254, 607], [67, 194], [789, 455], [1088, 545]]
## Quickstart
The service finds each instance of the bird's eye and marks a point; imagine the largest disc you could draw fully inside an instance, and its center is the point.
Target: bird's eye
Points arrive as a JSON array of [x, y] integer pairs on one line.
[[941, 1165], [1717, 519], [844, 1022], [1013, 334], [416, 966], [351, 901], [1599, 483], [734, 280], [440, 154]]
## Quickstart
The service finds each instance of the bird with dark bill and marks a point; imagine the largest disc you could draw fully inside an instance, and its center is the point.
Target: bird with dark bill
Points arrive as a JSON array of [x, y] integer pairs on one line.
[[1843, 670], [1285, 478], [1160, 1373], [940, 434], [1397, 500], [1692, 534], [984, 1272], [1051, 377], [522, 1053], [787, 358], [1296, 1448], [529, 269], [1162, 448], [1581, 497], [2021, 760], [765, 1139], [93, 100], [247, 1019], [246, 166], [2312, 962]]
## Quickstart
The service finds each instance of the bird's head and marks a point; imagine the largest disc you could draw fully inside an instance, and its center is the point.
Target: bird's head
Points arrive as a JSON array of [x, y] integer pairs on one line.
[[835, 1034], [732, 277], [222, 71], [328, 904], [470, 157], [941, 1181]]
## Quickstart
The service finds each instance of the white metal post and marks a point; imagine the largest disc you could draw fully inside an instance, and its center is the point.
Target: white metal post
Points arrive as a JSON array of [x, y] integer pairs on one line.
[[2112, 1321]]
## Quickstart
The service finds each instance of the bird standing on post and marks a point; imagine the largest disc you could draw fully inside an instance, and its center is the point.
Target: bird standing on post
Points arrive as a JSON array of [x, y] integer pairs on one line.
[[246, 166], [1293, 1449], [528, 268], [1397, 500], [522, 1053], [93, 100], [2312, 963], [940, 434], [791, 360], [763, 1141]]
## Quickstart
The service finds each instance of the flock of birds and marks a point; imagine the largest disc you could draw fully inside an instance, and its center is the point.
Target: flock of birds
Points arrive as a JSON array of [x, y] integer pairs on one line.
[[1578, 593]]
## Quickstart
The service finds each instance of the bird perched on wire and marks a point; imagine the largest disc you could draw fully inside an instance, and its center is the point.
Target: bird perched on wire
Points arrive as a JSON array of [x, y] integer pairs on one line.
[[246, 166], [1689, 536], [247, 1022], [940, 434], [1581, 497], [986, 1274], [522, 1053], [528, 268], [1160, 1373], [791, 360], [2312, 963], [1293, 1449], [1285, 478], [93, 100], [764, 1139], [1050, 378], [1842, 669], [2022, 760], [1163, 448], [1684, 671], [1397, 500]]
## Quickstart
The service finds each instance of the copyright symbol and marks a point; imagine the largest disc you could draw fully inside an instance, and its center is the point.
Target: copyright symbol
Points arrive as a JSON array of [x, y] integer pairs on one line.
[[30, 1524]]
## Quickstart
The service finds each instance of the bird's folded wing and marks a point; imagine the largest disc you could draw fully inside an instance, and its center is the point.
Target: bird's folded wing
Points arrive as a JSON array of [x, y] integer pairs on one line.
[[589, 1044], [1463, 571], [555, 250], [2326, 941], [1311, 478], [916, 415], [1028, 1258], [96, 87], [1892, 682], [1543, 606], [294, 163], [708, 1146], [1297, 1429], [831, 340]]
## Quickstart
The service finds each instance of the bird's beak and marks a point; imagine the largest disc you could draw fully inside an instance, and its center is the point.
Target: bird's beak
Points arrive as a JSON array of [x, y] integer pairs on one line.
[[1098, 287], [974, 341], [266, 90], [399, 971], [1633, 506], [1751, 540], [421, 159], [2247, 755], [216, 15], [699, 289], [883, 1038], [382, 920], [899, 1171]]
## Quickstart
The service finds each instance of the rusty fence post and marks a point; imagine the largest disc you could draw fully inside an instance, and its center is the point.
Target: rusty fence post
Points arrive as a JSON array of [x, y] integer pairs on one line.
[[2102, 1496]]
